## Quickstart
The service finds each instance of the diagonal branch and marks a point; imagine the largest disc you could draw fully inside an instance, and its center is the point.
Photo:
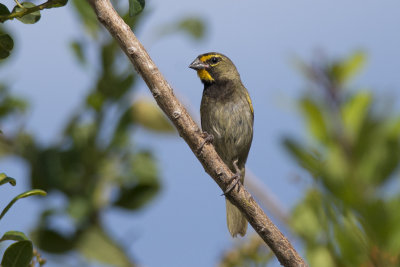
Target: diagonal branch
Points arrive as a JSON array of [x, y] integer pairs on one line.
[[189, 131]]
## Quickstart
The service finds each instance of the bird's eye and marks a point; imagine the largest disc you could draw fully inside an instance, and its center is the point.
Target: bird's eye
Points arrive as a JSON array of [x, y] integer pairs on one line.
[[214, 60]]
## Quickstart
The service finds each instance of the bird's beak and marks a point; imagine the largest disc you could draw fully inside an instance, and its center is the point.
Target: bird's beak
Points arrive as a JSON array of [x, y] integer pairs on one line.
[[197, 64]]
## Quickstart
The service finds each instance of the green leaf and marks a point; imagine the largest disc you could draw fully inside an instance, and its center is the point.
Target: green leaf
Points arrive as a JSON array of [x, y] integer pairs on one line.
[[52, 241], [4, 10], [351, 240], [18, 254], [137, 196], [320, 256], [303, 157], [355, 111], [95, 244], [194, 27], [23, 195], [79, 208], [144, 167], [77, 48], [6, 45], [147, 114], [95, 100], [14, 235], [305, 220], [30, 18], [136, 6], [87, 15], [315, 119], [345, 70], [5, 179], [146, 184]]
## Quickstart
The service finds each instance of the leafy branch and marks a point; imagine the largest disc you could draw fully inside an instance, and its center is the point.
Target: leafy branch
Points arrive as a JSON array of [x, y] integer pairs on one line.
[[21, 252], [27, 8], [192, 134]]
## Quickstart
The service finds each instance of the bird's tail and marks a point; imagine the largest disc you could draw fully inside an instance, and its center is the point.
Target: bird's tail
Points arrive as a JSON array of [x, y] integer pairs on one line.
[[237, 223]]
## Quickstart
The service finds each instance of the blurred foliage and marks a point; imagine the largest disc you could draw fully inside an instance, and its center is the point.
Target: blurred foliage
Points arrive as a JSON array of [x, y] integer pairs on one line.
[[252, 252], [350, 216], [146, 113], [192, 26], [94, 163], [136, 6], [21, 252]]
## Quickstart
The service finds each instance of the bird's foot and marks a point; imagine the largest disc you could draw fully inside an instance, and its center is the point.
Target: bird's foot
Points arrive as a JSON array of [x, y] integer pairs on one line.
[[208, 139], [235, 179]]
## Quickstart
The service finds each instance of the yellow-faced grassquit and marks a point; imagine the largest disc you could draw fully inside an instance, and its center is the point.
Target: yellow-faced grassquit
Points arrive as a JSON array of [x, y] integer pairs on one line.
[[226, 115]]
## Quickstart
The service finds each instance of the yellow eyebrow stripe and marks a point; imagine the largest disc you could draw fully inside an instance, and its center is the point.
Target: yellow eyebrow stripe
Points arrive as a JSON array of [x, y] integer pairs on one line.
[[249, 101], [207, 57]]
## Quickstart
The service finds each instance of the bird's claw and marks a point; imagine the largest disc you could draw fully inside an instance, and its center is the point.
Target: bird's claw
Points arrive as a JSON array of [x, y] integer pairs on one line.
[[235, 179], [208, 138]]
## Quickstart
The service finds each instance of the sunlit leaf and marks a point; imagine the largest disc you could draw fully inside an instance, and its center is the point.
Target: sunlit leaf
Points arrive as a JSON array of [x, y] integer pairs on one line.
[[336, 170], [320, 256], [30, 18], [345, 70], [136, 6], [6, 45], [23, 195], [394, 128], [5, 179], [94, 244], [316, 123], [304, 219], [18, 254], [148, 114], [14, 235], [354, 112]]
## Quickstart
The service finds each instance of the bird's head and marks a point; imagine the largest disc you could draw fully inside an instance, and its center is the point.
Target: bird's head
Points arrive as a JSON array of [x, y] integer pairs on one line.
[[215, 68]]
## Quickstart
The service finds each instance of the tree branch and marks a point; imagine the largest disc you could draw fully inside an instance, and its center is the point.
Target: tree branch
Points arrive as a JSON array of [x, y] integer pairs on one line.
[[189, 131]]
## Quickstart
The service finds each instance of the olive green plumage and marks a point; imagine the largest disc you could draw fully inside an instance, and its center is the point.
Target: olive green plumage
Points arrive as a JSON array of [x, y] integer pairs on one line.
[[227, 114]]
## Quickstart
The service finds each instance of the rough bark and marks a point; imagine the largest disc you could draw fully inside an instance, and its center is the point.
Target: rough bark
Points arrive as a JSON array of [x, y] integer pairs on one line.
[[191, 133]]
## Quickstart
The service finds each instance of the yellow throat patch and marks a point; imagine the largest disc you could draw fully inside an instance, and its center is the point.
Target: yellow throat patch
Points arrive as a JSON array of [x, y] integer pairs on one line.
[[204, 75]]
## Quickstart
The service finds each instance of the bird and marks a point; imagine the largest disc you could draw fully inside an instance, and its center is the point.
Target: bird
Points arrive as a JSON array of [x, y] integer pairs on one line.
[[227, 118]]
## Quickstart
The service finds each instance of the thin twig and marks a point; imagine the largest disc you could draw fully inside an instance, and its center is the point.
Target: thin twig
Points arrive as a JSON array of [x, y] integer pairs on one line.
[[189, 131]]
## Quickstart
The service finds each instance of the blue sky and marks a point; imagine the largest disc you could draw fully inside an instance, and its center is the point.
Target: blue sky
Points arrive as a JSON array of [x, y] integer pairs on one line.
[[185, 225]]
